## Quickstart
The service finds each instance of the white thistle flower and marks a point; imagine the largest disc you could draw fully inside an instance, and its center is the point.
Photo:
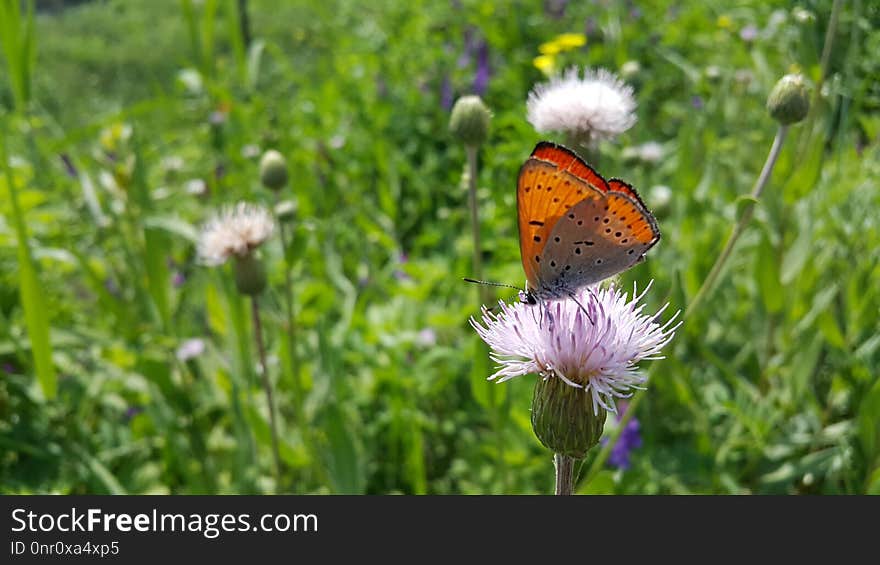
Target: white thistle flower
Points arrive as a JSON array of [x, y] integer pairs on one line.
[[651, 152], [235, 231], [596, 107], [592, 341]]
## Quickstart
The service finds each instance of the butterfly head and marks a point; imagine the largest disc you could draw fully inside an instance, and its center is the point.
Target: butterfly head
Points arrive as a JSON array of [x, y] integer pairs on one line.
[[528, 297]]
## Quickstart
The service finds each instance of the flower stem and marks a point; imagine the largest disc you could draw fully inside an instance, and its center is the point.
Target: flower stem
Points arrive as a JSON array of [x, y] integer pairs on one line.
[[499, 405], [267, 386], [296, 376], [584, 146], [471, 151], [291, 326], [738, 229], [564, 474]]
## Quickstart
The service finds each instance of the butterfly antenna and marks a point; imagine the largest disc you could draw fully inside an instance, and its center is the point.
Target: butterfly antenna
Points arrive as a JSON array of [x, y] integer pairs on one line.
[[576, 301], [490, 283]]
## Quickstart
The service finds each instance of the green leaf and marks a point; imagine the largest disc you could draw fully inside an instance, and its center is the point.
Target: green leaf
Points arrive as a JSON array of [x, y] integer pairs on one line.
[[869, 423], [744, 203], [346, 471], [602, 483], [481, 387], [874, 483], [33, 297], [796, 257], [101, 473], [803, 366], [767, 274], [255, 55], [174, 226]]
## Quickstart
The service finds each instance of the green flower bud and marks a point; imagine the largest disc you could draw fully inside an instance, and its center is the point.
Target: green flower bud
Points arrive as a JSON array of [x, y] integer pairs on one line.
[[286, 210], [789, 101], [470, 120], [250, 275], [630, 69], [563, 418], [273, 170]]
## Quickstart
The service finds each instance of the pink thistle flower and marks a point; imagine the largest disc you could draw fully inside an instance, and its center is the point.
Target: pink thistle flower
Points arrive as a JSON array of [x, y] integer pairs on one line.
[[592, 341]]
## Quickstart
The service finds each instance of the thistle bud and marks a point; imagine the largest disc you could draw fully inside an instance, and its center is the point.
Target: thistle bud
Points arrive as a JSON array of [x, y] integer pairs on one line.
[[563, 418], [470, 120], [789, 100], [630, 69], [286, 210], [273, 170], [250, 275]]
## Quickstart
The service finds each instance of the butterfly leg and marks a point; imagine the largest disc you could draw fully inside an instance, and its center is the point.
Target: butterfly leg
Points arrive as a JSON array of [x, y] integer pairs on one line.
[[576, 301]]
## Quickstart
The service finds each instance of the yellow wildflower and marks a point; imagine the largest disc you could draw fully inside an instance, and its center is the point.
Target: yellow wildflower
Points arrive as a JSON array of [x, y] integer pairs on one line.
[[550, 48], [571, 40], [545, 63]]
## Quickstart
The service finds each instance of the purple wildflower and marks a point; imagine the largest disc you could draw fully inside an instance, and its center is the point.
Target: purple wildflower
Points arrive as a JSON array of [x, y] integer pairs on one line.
[[133, 411], [629, 440], [590, 26], [427, 337], [555, 8], [697, 102], [8, 368], [400, 274], [470, 44], [481, 78], [447, 96], [590, 341], [217, 118], [749, 33], [177, 279], [191, 349], [635, 12], [112, 287]]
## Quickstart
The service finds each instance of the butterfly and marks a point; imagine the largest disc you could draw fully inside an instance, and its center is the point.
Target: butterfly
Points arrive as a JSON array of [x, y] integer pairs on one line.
[[576, 228]]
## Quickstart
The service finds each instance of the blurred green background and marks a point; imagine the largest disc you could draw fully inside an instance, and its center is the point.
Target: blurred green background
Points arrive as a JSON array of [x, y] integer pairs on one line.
[[125, 123]]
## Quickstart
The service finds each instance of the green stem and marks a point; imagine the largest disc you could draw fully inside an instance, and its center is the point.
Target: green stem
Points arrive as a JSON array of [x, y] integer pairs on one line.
[[291, 322], [471, 151], [267, 385], [295, 366], [584, 146], [240, 380], [564, 474], [738, 229], [499, 405]]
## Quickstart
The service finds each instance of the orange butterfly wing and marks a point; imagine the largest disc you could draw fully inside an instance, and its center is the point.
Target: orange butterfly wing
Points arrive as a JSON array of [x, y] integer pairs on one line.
[[632, 212], [551, 181]]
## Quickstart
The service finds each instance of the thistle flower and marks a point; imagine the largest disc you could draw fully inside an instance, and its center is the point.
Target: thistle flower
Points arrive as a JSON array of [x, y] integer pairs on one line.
[[590, 342], [596, 107], [234, 232]]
